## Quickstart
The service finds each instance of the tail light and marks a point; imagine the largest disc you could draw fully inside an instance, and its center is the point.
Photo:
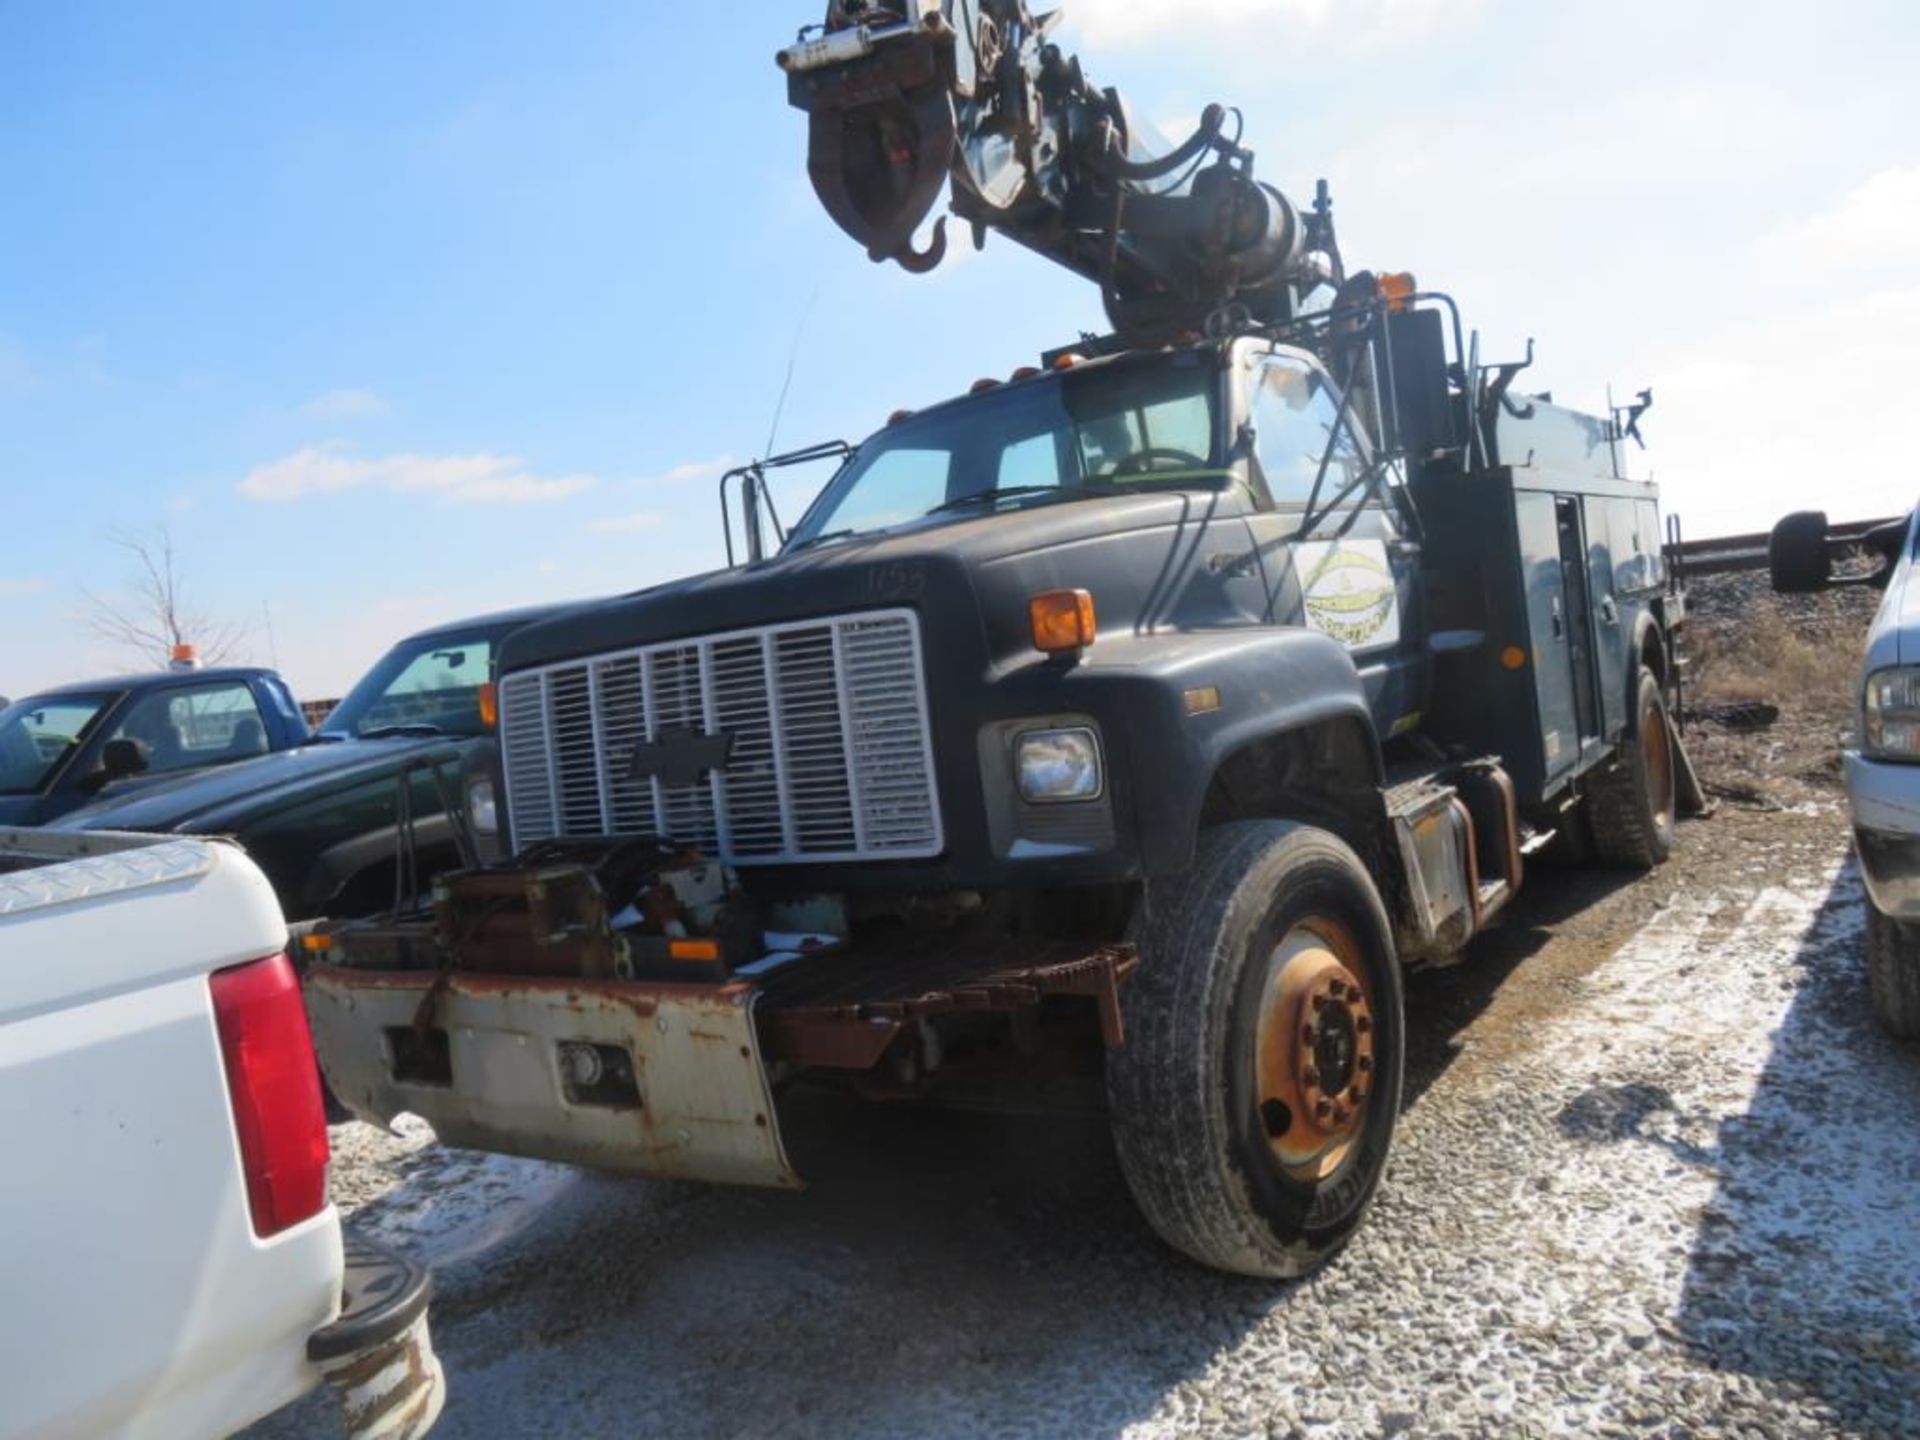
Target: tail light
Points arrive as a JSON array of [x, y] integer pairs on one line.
[[274, 1086]]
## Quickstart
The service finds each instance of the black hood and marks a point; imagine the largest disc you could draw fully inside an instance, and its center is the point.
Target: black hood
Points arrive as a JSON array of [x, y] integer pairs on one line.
[[952, 567], [228, 796]]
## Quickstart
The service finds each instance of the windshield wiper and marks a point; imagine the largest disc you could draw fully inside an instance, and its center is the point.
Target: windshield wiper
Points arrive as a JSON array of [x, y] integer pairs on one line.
[[1008, 492], [416, 727]]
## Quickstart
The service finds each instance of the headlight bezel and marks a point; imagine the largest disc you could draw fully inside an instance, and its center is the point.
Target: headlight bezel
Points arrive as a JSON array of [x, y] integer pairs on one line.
[[1091, 760], [1890, 696]]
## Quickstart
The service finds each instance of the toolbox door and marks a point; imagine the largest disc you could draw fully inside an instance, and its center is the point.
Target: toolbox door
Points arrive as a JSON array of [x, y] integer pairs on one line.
[[1537, 523]]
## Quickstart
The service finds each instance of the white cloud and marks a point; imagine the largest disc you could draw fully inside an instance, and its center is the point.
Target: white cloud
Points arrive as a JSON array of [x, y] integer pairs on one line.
[[1734, 453], [1877, 220], [1350, 24], [697, 470], [481, 479], [23, 585], [348, 404], [626, 524]]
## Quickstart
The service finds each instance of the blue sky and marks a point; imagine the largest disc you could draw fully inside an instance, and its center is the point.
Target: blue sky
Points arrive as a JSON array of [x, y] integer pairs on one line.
[[398, 313]]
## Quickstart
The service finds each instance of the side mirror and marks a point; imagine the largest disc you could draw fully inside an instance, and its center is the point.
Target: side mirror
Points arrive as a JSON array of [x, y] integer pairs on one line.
[[1797, 554], [122, 758]]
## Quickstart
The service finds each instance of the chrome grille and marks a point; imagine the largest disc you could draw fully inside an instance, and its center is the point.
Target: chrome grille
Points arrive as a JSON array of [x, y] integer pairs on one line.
[[831, 754]]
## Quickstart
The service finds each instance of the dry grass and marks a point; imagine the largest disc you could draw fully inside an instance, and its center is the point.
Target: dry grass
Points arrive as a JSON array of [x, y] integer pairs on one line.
[[1764, 655]]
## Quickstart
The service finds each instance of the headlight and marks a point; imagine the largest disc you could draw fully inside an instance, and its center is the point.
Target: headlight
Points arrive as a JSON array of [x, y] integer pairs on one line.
[[1890, 714], [482, 813], [1058, 765]]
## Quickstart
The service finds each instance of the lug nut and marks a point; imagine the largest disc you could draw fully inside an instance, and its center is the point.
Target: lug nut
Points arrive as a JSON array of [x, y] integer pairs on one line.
[[1322, 1108], [1310, 1077], [1319, 1003], [1363, 1064], [1308, 1034], [1362, 1024], [1341, 1115]]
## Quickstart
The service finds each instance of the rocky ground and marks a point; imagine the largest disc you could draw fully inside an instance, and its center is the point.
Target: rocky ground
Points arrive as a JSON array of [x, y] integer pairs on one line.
[[1658, 1175]]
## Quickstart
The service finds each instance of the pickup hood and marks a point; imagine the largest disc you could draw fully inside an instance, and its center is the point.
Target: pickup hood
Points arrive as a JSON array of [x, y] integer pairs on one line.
[[974, 573], [226, 798]]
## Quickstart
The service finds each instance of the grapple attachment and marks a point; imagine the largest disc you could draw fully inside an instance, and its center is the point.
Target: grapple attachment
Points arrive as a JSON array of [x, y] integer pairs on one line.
[[879, 96]]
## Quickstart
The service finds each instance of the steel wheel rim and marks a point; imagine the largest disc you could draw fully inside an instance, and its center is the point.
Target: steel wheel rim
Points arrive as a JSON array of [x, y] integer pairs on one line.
[[1314, 1057], [1656, 753]]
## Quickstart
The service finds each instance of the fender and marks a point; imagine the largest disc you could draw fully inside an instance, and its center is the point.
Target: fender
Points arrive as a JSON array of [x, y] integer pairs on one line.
[[1182, 704]]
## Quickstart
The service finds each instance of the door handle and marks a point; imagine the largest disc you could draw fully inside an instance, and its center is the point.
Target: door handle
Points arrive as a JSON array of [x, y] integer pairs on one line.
[[1609, 612]]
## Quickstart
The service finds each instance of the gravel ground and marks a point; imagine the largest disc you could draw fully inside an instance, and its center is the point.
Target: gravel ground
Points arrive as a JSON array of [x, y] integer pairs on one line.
[[1663, 1178]]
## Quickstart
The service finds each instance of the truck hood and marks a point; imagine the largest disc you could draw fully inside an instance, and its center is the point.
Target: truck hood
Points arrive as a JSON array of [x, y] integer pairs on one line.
[[953, 565], [226, 797]]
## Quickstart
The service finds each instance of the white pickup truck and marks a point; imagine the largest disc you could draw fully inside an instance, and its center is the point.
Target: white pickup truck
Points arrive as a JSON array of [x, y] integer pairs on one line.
[[171, 1263], [1883, 767]]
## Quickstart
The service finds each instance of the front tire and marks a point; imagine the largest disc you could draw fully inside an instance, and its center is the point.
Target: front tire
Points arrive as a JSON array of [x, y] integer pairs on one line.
[[1893, 973], [1255, 1097]]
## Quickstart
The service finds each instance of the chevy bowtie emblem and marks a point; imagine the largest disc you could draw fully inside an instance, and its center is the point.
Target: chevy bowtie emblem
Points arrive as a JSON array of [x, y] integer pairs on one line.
[[681, 755]]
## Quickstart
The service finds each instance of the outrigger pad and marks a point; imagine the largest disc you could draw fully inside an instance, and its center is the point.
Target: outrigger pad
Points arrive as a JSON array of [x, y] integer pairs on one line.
[[1689, 795]]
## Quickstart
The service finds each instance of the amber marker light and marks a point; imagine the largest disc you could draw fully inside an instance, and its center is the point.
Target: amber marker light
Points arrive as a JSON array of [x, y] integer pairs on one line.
[[1513, 657], [1062, 621], [1397, 289], [693, 949], [489, 706]]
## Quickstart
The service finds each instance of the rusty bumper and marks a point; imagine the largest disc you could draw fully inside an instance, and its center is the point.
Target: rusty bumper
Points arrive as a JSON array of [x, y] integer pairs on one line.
[[654, 1079], [665, 1079]]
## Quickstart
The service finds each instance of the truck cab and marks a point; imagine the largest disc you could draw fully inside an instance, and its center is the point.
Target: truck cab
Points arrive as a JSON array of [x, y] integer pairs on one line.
[[94, 740]]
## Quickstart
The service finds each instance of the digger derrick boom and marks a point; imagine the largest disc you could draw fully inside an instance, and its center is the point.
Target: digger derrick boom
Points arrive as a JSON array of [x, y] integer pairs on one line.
[[911, 97]]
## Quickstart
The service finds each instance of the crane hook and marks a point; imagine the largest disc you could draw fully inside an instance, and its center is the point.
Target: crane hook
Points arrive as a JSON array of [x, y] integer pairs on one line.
[[919, 262]]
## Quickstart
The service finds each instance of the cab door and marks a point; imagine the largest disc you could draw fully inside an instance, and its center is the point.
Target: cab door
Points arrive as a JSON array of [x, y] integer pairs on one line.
[[1333, 551]]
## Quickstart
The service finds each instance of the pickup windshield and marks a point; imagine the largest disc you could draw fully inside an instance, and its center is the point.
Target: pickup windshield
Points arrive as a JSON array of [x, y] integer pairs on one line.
[[424, 687], [38, 734], [1125, 424]]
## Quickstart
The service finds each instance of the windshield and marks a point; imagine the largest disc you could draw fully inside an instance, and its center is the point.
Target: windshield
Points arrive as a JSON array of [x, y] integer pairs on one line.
[[429, 684], [37, 736], [1126, 424]]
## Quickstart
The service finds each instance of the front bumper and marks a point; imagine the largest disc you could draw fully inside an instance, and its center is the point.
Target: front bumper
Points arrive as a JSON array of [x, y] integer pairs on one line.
[[1885, 800], [377, 1357]]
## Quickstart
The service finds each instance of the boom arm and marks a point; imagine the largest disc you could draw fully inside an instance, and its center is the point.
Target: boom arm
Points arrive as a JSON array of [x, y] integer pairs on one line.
[[907, 96]]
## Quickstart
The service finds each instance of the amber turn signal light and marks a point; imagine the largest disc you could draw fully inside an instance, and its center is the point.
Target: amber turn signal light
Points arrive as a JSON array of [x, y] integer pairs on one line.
[[1398, 289], [693, 949], [1062, 620], [489, 706]]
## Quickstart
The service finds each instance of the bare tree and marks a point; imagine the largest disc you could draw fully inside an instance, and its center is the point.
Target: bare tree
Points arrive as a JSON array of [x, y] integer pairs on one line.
[[153, 614]]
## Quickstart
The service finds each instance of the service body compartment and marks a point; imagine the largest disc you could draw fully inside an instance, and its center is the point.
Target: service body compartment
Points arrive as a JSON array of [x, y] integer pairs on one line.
[[1540, 576]]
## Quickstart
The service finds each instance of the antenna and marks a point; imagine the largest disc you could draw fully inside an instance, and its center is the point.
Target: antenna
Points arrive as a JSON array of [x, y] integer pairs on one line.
[[273, 650], [786, 384]]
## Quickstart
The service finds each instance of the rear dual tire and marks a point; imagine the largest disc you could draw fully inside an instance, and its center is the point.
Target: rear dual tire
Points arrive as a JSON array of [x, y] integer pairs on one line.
[[1255, 1096], [1631, 803]]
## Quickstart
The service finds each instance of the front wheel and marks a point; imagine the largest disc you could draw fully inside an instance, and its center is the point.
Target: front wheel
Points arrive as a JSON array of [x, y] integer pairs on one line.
[[1255, 1096], [1893, 973]]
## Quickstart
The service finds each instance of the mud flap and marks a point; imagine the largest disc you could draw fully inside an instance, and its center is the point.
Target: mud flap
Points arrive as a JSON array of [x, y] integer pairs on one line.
[[650, 1079]]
